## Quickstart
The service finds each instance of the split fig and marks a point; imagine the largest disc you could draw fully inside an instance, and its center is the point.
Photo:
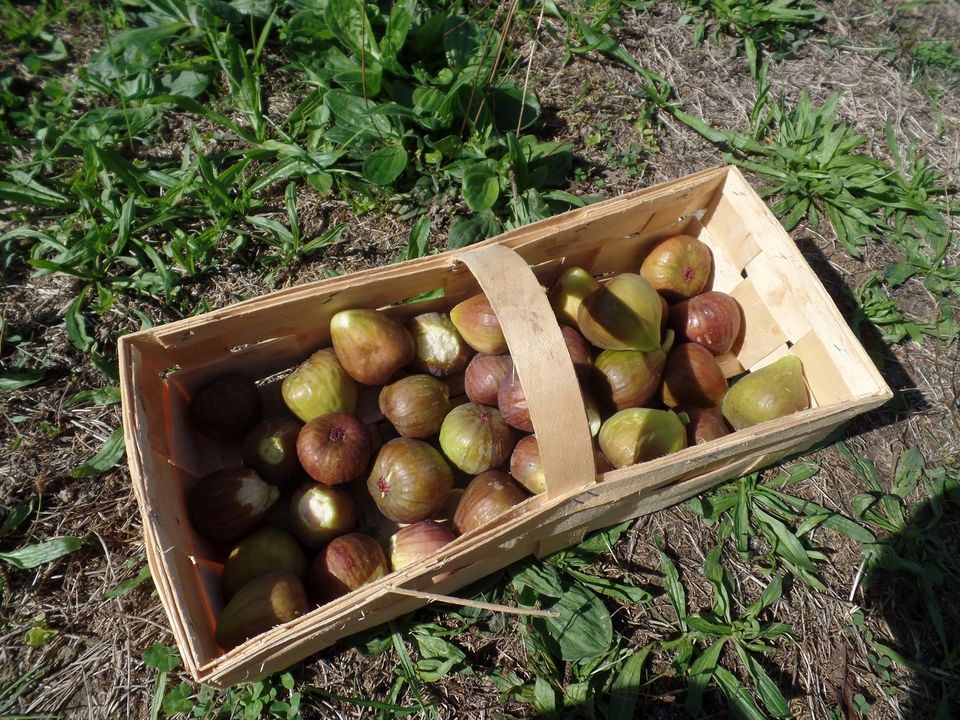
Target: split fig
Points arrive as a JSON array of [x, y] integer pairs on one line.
[[318, 513], [228, 503], [440, 350]]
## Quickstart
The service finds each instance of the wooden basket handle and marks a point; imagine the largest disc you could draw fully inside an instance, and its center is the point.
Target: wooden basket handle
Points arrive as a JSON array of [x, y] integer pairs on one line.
[[543, 364]]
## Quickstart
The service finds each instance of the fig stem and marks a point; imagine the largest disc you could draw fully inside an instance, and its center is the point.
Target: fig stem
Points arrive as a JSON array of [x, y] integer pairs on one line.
[[668, 338]]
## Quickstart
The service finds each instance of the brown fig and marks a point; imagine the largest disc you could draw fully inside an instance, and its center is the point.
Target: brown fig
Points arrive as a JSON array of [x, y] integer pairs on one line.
[[228, 503], [226, 408], [319, 386], [481, 381], [512, 403], [416, 405], [629, 378], [478, 325], [409, 480], [258, 606], [526, 467], [772, 391], [264, 551], [334, 448], [623, 314], [579, 350], [703, 424], [711, 319], [440, 350], [488, 496], [345, 564], [370, 345], [678, 267], [418, 541], [692, 376]]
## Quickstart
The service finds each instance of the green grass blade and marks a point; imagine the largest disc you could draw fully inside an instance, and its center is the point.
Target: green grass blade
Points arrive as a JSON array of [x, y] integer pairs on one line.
[[42, 553], [625, 687]]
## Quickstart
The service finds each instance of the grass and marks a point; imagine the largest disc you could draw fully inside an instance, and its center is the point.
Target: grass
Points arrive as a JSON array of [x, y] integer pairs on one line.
[[191, 146]]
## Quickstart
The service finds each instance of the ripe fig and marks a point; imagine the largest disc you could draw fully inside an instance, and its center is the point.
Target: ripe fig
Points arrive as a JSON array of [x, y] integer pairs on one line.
[[488, 496], [704, 424], [440, 350], [226, 408], [711, 319], [318, 513], [334, 448], [228, 503], [526, 467], [409, 481], [476, 438], [270, 448], [416, 542], [568, 292], [629, 378], [579, 350], [264, 551], [370, 345], [481, 381], [678, 267], [512, 403], [345, 564], [478, 325], [692, 376], [772, 391], [636, 435], [594, 419], [319, 386], [416, 405], [623, 314], [264, 602]]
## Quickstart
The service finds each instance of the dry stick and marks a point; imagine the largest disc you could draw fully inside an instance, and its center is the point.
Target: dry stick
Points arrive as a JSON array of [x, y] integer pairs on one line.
[[480, 605], [526, 78]]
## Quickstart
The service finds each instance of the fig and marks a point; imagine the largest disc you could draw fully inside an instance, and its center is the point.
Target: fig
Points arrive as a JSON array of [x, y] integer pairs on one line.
[[512, 403], [568, 292], [228, 503], [478, 325], [334, 448], [711, 319], [678, 267], [579, 350], [484, 373], [318, 513], [476, 438], [629, 378], [526, 467], [345, 564], [623, 314], [409, 481], [370, 346], [270, 448], [416, 405], [264, 602], [226, 408], [417, 542], [594, 419], [439, 349], [772, 391], [636, 435], [264, 551], [488, 496], [319, 386], [692, 376], [703, 424]]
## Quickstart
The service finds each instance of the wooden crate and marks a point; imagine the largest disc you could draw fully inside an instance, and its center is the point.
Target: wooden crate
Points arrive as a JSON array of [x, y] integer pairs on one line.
[[786, 311]]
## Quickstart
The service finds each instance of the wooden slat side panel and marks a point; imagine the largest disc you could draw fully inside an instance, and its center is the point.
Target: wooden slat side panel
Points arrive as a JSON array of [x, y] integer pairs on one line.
[[728, 226], [725, 275], [846, 353], [772, 281], [826, 383], [761, 334]]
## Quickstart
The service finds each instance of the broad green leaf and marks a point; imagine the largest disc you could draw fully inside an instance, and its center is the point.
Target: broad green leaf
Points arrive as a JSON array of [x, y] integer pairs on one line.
[[770, 695], [625, 686], [544, 696], [108, 456], [542, 578], [33, 556], [32, 193], [481, 187], [611, 588], [910, 466], [738, 698], [162, 658], [467, 231], [101, 397], [708, 627], [21, 511], [701, 671], [787, 544], [603, 540], [385, 165], [77, 324], [673, 586], [328, 237], [19, 379], [419, 238], [771, 593], [583, 629]]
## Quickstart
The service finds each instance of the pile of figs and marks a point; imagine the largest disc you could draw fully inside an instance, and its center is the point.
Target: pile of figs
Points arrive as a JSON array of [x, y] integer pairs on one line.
[[333, 493]]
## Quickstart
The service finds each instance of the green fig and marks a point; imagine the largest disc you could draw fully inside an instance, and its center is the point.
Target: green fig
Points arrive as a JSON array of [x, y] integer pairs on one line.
[[772, 391], [623, 314], [320, 386], [629, 378], [636, 435], [265, 551], [568, 292], [264, 602], [370, 345], [270, 448]]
